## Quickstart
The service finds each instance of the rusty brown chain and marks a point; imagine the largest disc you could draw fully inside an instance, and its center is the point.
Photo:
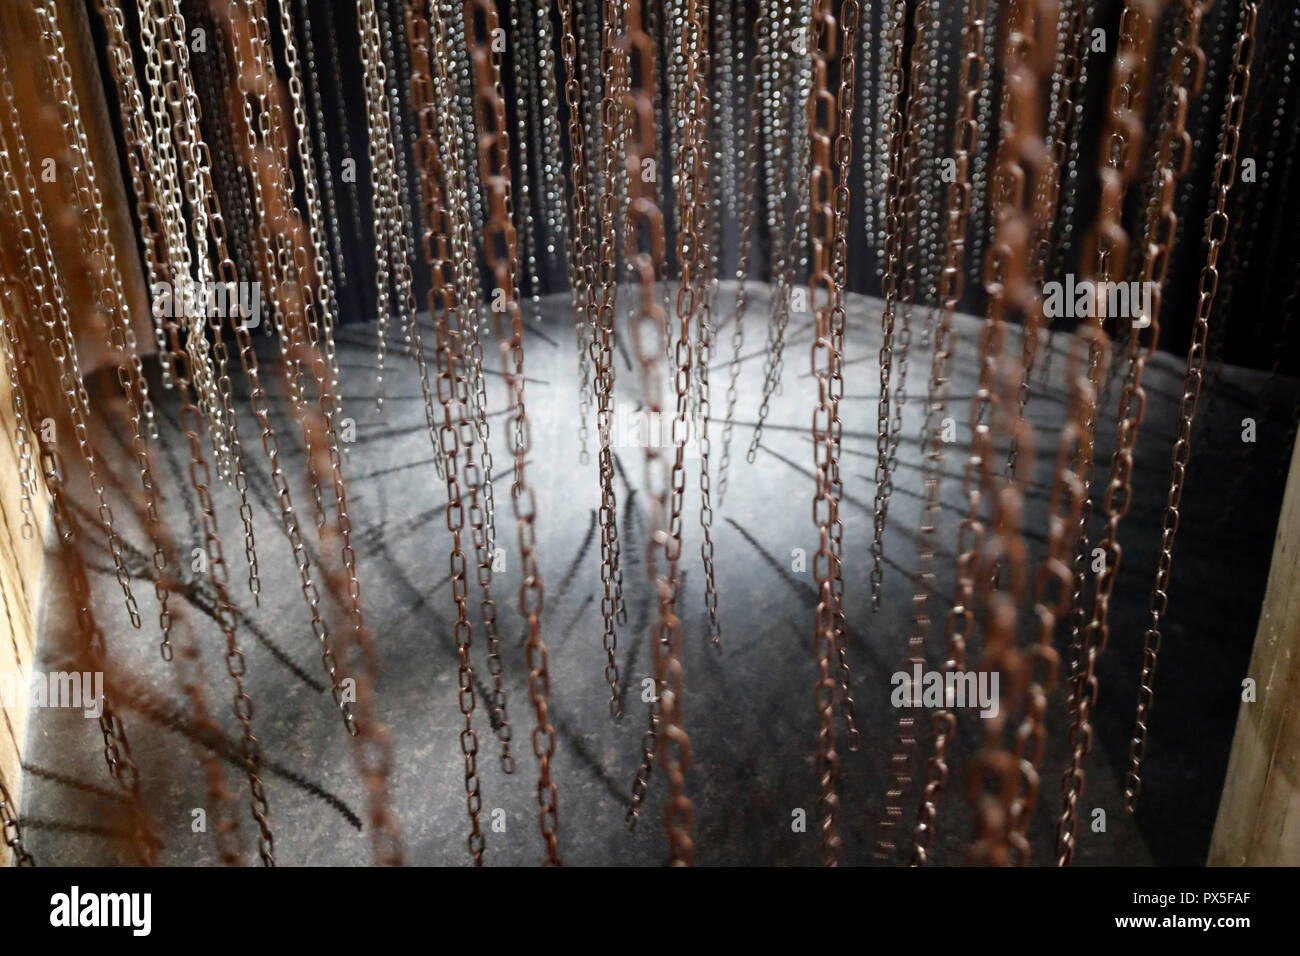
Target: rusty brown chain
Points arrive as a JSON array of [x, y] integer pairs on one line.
[[1003, 779], [1225, 171], [500, 248], [649, 330], [649, 334], [281, 226], [1067, 71], [283, 261], [951, 285], [829, 121], [1106, 248], [692, 252], [893, 265], [1173, 154]]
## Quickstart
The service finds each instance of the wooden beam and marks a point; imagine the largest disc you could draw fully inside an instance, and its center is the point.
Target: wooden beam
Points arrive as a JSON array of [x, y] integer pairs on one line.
[[1259, 812], [21, 561]]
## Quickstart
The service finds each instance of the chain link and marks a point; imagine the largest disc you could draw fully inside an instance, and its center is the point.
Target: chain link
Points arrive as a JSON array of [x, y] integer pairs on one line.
[[1225, 171]]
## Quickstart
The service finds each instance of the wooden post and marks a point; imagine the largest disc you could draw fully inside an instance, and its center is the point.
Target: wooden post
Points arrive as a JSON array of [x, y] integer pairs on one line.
[[1259, 812], [21, 560]]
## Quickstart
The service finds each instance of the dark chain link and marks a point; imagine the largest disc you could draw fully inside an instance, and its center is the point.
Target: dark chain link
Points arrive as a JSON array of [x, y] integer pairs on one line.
[[501, 250], [951, 284], [893, 267], [1107, 248], [1225, 171]]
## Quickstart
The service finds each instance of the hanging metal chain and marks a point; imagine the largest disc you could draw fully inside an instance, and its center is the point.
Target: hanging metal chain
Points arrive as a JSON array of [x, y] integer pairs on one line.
[[161, 22], [1173, 154], [1225, 171], [1068, 75], [1107, 248], [236, 667], [1003, 776], [299, 334], [337, 266], [341, 115], [184, 109], [830, 119], [62, 347], [13, 833], [232, 184], [551, 165], [499, 243], [580, 238], [601, 310], [951, 285], [780, 139], [984, 116], [909, 203], [748, 203], [190, 279], [326, 299], [529, 239], [893, 266], [280, 226], [457, 427], [977, 476], [117, 748], [436, 88], [1065, 76], [707, 198], [850, 17], [120, 336], [377, 140], [649, 334], [54, 314], [912, 250], [692, 254]]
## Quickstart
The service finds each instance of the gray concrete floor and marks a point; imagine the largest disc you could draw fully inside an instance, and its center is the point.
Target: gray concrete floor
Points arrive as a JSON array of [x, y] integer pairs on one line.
[[749, 709]]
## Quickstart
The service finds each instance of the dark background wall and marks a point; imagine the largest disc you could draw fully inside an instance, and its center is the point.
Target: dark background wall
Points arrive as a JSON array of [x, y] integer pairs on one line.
[[1258, 292]]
